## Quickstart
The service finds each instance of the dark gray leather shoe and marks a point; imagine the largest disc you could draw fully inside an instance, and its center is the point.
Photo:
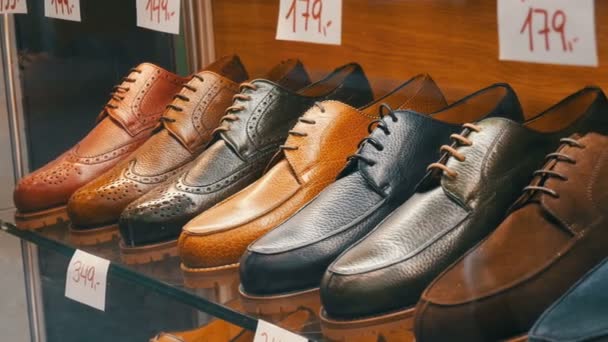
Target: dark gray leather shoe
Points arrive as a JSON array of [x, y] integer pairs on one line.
[[284, 268], [252, 130], [463, 198]]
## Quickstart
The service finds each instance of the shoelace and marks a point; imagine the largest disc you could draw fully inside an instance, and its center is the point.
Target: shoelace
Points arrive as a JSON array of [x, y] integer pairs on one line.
[[546, 173], [450, 151], [119, 90], [181, 97], [230, 111], [380, 124], [301, 134]]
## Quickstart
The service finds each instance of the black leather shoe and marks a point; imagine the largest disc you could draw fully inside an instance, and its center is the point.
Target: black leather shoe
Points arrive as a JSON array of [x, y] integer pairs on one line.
[[251, 133], [463, 197], [289, 261]]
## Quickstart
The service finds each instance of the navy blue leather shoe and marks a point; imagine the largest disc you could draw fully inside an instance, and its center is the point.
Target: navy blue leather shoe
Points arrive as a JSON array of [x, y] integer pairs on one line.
[[581, 314]]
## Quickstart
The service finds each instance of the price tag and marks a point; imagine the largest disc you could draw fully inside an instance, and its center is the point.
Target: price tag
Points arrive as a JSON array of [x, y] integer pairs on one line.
[[86, 279], [159, 15], [266, 332], [62, 9], [313, 21], [13, 6], [548, 31]]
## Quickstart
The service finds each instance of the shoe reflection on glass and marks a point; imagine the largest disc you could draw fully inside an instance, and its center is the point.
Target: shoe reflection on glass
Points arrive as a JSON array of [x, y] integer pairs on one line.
[[302, 322]]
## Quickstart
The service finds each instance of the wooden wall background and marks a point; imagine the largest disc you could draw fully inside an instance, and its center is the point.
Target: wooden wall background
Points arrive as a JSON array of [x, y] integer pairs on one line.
[[456, 41]]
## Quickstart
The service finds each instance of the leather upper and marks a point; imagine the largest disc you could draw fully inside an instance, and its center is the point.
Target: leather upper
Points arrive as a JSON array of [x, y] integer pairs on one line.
[[311, 159], [294, 255], [124, 124], [586, 301], [449, 215], [185, 130], [541, 248], [239, 155]]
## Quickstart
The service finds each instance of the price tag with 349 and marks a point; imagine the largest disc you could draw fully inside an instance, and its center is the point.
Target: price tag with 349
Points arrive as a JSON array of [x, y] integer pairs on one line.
[[86, 279]]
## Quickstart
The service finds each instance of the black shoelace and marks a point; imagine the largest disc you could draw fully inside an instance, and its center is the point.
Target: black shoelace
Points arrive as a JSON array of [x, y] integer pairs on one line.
[[118, 91], [302, 134], [379, 123], [182, 97]]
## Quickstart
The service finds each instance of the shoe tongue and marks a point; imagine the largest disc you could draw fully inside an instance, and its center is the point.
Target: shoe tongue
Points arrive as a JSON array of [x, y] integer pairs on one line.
[[290, 74], [230, 67]]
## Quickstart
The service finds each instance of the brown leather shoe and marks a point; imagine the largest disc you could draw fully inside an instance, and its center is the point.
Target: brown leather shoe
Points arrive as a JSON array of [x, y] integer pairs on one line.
[[556, 232], [124, 124], [185, 130], [316, 150]]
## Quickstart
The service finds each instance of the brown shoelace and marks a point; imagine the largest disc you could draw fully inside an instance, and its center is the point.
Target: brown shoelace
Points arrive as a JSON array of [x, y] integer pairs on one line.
[[379, 124], [118, 91], [459, 140], [182, 97], [301, 134], [547, 173], [230, 115]]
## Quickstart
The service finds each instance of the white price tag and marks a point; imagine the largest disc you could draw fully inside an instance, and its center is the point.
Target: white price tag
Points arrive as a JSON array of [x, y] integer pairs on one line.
[[86, 279], [159, 15], [548, 31], [266, 332], [62, 9], [313, 21], [13, 6]]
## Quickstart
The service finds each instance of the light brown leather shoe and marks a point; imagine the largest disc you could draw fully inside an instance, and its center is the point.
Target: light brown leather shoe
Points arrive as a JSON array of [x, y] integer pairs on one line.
[[186, 128], [124, 124], [316, 150]]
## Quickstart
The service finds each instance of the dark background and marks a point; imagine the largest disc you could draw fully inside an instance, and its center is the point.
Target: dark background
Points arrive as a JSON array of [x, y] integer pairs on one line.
[[68, 70]]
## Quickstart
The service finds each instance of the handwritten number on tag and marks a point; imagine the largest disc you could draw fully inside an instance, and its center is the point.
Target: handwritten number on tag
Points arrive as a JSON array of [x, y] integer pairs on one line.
[[313, 9], [551, 23], [158, 7], [62, 6], [85, 274]]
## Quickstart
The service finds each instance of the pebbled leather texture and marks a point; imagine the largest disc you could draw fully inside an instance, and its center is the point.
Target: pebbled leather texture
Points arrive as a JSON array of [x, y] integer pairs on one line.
[[188, 123], [540, 250], [389, 269], [294, 256], [580, 314], [315, 156], [121, 127], [238, 156]]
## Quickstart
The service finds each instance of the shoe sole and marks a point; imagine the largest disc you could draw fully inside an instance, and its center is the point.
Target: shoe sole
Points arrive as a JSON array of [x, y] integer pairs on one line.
[[212, 277], [148, 253], [41, 219], [93, 236], [281, 304], [396, 326]]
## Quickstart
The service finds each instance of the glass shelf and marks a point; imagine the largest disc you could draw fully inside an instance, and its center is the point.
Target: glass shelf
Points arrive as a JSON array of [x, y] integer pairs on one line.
[[165, 278]]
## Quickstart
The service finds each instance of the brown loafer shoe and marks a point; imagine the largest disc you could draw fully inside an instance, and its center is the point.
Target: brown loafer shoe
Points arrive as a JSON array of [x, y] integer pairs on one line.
[[123, 125]]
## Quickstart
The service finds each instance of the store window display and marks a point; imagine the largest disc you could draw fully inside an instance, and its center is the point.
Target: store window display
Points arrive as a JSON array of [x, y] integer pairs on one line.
[[357, 203]]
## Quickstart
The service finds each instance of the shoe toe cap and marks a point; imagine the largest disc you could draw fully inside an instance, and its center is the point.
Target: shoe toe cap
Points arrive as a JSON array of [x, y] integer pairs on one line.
[[155, 218], [46, 188]]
